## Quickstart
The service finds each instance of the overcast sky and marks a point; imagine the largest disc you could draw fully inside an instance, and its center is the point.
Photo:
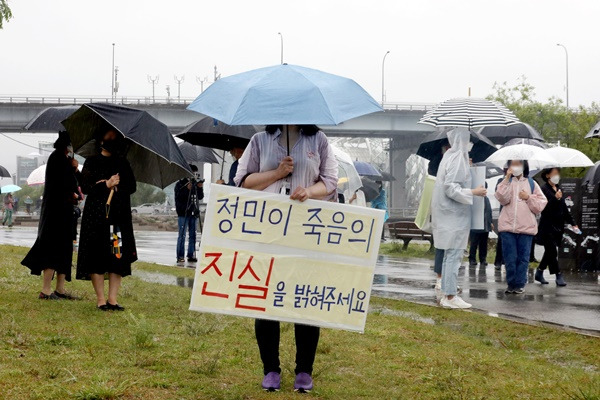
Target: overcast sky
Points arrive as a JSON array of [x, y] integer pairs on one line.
[[439, 48]]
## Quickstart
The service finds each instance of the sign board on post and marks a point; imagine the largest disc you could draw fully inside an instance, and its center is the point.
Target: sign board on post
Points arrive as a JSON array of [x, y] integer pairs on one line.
[[567, 251], [588, 252], [478, 208], [265, 256]]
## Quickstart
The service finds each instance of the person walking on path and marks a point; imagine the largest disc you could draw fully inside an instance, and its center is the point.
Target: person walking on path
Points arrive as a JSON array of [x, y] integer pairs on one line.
[[188, 193], [521, 199], [106, 241], [380, 203], [310, 171], [552, 223], [52, 252], [9, 204], [479, 237], [451, 212], [28, 203]]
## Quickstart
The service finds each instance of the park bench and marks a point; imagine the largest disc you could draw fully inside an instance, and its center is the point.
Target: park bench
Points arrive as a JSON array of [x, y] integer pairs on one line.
[[407, 231]]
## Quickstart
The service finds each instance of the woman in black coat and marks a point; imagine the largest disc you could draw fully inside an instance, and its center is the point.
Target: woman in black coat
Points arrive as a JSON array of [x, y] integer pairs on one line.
[[552, 223], [100, 252], [52, 251]]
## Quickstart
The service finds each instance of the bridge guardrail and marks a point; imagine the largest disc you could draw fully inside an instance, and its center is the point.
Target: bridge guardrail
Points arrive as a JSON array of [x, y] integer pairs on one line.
[[148, 100]]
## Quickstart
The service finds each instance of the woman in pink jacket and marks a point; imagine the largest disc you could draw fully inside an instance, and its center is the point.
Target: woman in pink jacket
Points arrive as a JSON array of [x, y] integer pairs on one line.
[[521, 199]]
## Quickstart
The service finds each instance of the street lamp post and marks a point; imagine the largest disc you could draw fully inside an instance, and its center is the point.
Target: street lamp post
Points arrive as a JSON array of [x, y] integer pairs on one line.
[[383, 78], [153, 81], [179, 81], [112, 75], [281, 37], [566, 70]]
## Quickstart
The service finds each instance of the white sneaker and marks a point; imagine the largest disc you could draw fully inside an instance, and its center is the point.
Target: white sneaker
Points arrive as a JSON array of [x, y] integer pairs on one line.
[[438, 284], [454, 303]]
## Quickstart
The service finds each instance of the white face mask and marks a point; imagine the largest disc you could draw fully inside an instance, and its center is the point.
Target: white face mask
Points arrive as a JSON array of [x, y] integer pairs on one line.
[[555, 179], [517, 171]]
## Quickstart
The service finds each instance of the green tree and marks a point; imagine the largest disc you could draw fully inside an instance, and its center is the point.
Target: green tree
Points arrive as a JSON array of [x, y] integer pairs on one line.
[[147, 194], [5, 13], [555, 122]]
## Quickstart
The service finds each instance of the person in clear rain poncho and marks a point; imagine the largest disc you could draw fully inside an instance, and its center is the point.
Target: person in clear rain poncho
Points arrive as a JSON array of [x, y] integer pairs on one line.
[[451, 212]]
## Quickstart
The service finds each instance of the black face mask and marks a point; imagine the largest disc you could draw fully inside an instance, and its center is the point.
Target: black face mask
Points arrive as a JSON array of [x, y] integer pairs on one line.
[[111, 146]]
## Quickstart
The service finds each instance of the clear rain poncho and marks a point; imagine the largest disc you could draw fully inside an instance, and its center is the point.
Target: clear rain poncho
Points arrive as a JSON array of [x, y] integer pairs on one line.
[[452, 197]]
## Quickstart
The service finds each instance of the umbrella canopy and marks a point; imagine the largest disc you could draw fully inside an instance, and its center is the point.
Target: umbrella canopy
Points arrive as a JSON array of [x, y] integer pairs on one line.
[[209, 132], [153, 154], [348, 179], [197, 154], [532, 142], [501, 134], [537, 157], [49, 119], [431, 146], [594, 132], [469, 112], [4, 172], [386, 176], [592, 176], [367, 170], [10, 189], [38, 175], [567, 157], [370, 189], [491, 170], [284, 94]]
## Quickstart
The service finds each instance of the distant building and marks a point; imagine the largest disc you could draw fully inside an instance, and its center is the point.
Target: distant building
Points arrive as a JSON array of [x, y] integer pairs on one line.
[[25, 167]]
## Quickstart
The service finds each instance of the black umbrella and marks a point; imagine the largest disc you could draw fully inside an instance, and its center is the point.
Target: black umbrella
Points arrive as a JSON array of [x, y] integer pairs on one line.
[[594, 132], [386, 176], [152, 152], [49, 119], [592, 176], [532, 142], [197, 154], [370, 189], [4, 172], [431, 146], [501, 134], [491, 170], [209, 132]]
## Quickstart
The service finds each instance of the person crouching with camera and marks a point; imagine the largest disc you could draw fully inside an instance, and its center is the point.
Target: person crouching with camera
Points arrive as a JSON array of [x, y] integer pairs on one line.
[[188, 193]]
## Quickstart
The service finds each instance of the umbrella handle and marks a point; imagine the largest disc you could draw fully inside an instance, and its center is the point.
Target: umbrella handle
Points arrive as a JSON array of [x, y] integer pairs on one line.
[[222, 165], [110, 196]]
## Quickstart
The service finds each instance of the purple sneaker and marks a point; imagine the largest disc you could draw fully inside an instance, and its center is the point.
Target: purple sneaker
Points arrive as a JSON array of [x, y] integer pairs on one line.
[[271, 382], [303, 383]]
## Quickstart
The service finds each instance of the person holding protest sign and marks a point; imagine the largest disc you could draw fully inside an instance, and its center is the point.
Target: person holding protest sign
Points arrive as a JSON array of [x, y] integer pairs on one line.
[[451, 212], [300, 164]]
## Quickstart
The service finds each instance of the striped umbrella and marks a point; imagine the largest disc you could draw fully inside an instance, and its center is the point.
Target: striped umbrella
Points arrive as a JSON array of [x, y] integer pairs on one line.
[[470, 113]]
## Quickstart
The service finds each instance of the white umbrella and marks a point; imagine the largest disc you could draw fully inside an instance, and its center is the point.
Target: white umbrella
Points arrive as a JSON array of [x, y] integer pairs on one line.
[[537, 157], [568, 157], [469, 112], [38, 175], [348, 178]]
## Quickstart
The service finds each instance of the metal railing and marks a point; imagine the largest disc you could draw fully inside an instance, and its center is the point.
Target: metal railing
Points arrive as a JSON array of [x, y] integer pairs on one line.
[[148, 100], [74, 100]]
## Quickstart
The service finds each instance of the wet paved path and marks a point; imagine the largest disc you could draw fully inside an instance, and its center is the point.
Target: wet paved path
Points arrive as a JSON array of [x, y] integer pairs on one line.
[[576, 306]]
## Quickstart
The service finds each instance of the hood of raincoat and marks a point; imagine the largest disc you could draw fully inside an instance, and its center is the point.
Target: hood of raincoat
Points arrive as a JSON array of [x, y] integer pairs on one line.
[[458, 153]]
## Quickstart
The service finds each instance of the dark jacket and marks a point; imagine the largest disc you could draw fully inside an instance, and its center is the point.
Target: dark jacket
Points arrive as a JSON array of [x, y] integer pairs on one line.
[[185, 203], [232, 172], [554, 216]]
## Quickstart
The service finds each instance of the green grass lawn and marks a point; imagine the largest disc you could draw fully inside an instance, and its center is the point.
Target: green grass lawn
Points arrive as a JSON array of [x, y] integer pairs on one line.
[[157, 349]]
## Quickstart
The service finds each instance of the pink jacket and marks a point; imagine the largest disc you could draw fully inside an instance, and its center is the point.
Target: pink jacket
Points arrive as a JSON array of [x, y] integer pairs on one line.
[[518, 216]]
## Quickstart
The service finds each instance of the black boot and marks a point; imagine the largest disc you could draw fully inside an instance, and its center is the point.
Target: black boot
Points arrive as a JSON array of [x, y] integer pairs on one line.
[[539, 276], [559, 280]]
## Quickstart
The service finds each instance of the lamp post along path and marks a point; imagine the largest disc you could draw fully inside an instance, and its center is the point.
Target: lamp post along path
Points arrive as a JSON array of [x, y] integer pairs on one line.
[[566, 71], [383, 78]]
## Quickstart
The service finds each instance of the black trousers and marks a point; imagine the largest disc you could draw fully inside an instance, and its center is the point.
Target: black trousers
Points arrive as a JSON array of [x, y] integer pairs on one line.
[[499, 260], [550, 258], [267, 337], [479, 241]]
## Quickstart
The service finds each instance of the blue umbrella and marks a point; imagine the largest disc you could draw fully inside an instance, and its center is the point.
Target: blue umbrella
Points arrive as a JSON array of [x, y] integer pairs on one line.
[[284, 95], [10, 188], [367, 170]]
